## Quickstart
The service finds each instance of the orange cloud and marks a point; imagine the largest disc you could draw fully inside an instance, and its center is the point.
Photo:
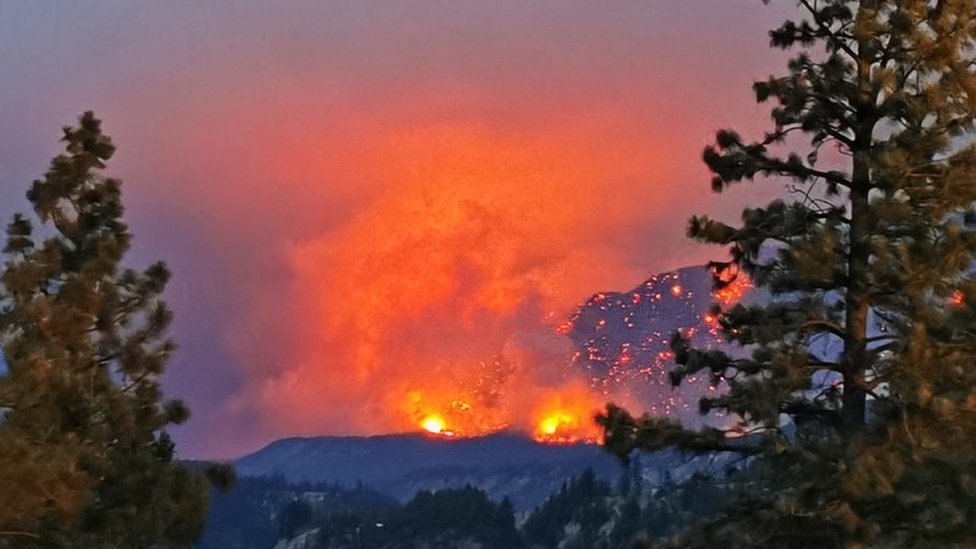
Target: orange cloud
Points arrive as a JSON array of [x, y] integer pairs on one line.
[[364, 205], [475, 240]]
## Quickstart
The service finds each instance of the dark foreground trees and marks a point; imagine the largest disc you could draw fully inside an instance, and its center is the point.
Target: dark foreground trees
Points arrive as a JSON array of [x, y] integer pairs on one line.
[[462, 517], [856, 386], [84, 459]]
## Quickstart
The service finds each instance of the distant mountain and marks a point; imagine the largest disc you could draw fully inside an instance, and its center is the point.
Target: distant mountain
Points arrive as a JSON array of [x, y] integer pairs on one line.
[[503, 465]]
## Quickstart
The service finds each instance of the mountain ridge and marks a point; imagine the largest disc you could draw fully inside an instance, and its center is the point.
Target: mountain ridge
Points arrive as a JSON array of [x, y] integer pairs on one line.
[[504, 464]]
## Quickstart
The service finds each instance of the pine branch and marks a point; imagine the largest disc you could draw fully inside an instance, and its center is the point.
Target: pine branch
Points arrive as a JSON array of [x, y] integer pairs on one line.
[[829, 33], [624, 433], [136, 382], [837, 135], [833, 176], [807, 408], [818, 208]]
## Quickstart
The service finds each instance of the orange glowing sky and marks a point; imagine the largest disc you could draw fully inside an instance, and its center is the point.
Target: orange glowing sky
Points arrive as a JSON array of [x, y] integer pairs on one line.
[[377, 213]]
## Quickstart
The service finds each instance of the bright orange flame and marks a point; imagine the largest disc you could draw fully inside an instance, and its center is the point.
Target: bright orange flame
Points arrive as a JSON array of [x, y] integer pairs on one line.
[[676, 290], [559, 420], [433, 424], [566, 415]]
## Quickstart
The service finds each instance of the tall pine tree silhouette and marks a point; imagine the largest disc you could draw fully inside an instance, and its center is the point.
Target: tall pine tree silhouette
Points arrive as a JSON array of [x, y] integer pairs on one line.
[[84, 458], [856, 386]]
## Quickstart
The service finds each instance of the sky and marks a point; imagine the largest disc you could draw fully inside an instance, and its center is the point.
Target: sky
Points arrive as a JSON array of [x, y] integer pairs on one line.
[[363, 203]]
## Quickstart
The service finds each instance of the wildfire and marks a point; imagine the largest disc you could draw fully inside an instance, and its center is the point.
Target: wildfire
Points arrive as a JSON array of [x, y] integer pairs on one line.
[[559, 427], [566, 416], [499, 395], [738, 285], [433, 424], [560, 414], [734, 291]]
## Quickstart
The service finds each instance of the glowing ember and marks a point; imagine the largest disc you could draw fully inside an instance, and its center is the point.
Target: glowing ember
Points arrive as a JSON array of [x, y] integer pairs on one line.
[[738, 285], [957, 298], [433, 424], [735, 290], [676, 290]]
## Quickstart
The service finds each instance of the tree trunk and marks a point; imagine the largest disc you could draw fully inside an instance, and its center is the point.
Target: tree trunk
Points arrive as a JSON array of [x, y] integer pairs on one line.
[[855, 359], [855, 348]]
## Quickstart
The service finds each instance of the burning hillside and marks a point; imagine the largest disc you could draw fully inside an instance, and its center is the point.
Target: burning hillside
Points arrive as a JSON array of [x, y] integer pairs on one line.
[[620, 353]]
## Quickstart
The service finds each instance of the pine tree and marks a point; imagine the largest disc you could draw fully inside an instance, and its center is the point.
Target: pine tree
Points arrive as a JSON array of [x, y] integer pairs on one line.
[[870, 251], [84, 458]]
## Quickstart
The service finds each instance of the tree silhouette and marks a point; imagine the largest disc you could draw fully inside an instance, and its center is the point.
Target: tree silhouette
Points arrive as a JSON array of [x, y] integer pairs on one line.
[[856, 381], [84, 458]]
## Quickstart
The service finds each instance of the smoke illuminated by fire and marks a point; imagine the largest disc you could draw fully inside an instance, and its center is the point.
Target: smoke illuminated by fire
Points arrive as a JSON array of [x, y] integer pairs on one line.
[[378, 214], [433, 312], [434, 308], [401, 247], [439, 308]]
